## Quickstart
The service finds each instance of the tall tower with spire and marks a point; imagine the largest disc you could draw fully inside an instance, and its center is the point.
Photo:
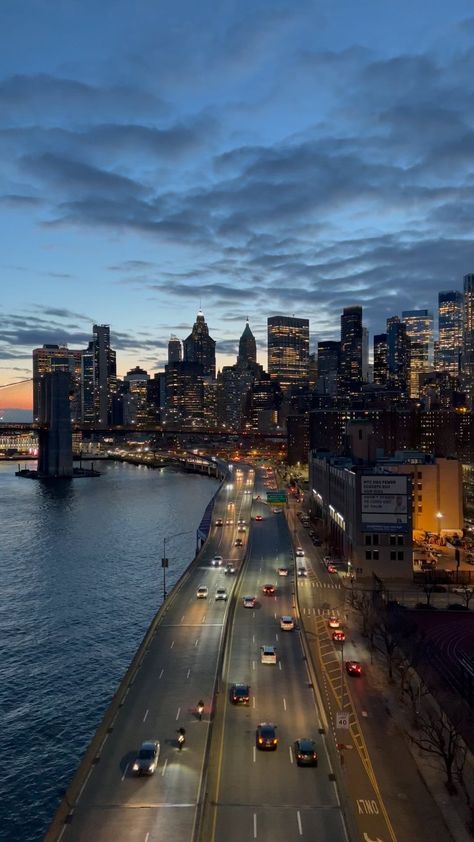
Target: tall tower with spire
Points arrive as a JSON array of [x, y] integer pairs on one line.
[[199, 347], [247, 347]]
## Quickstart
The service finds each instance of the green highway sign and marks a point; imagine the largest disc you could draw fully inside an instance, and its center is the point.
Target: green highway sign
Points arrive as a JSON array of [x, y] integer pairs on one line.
[[277, 497]]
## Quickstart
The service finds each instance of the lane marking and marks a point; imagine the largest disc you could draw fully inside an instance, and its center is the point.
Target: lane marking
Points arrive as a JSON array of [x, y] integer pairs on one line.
[[284, 703], [188, 673], [254, 754], [254, 825], [147, 837], [291, 754], [125, 771], [177, 715], [161, 673], [276, 636], [253, 665], [172, 644], [253, 638], [253, 701], [279, 665], [146, 714], [182, 618], [196, 642], [203, 618], [298, 817], [164, 768]]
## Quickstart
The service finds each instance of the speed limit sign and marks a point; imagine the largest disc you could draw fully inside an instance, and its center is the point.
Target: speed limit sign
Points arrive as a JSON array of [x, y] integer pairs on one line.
[[342, 720]]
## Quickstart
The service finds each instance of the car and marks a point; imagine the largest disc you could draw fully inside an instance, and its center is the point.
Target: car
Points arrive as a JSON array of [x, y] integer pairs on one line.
[[249, 602], [268, 655], [333, 623], [283, 571], [219, 521], [242, 528], [241, 521], [287, 623], [331, 569], [338, 636], [317, 541], [299, 552], [268, 590], [353, 668], [216, 561], [221, 594], [259, 517], [302, 572], [238, 542], [146, 760], [462, 590], [327, 559], [437, 588], [239, 694], [229, 522], [265, 736], [276, 511], [229, 568], [202, 592], [305, 752]]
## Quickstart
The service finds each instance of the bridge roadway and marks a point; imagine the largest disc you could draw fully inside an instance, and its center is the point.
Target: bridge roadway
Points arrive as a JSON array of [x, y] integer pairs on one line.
[[178, 669]]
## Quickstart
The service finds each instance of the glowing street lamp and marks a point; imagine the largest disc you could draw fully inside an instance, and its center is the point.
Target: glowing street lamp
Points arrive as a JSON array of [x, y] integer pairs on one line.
[[439, 516]]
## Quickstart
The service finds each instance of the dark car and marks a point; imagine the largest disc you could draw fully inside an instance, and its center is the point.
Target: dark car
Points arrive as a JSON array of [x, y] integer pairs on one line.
[[353, 668], [265, 736], [305, 752], [317, 541], [239, 694], [147, 758], [238, 542], [268, 590], [302, 572], [258, 517], [338, 636]]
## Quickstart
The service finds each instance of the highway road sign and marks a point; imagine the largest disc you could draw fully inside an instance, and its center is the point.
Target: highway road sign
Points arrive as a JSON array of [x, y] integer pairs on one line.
[[278, 497], [342, 719]]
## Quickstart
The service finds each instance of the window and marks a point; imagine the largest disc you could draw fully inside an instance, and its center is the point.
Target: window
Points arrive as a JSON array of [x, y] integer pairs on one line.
[[420, 486], [400, 540], [393, 556], [419, 474], [420, 510], [375, 555], [368, 555], [393, 540], [368, 540], [420, 498], [375, 540], [400, 556]]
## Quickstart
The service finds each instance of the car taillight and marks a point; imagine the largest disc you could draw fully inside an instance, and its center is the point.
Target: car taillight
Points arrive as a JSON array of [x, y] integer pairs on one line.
[[260, 739]]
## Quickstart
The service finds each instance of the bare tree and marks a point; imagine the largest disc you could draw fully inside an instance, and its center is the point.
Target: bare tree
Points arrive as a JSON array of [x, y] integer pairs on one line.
[[440, 738], [415, 690], [387, 638]]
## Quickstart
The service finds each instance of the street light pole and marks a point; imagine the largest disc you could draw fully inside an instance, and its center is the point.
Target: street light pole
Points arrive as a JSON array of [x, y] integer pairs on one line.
[[164, 560], [342, 675]]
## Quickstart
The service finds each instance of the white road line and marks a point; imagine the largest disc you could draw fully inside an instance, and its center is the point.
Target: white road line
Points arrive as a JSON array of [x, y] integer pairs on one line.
[[253, 701], [179, 711], [125, 771], [172, 644], [276, 636], [164, 767], [203, 619], [298, 817], [291, 754], [182, 618], [275, 615], [146, 714], [147, 837], [188, 673], [253, 665], [253, 638], [284, 703], [196, 641], [254, 754], [279, 665], [254, 825]]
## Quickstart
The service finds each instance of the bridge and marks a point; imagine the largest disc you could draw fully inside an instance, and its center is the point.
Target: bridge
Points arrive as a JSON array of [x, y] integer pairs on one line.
[[11, 427], [221, 786]]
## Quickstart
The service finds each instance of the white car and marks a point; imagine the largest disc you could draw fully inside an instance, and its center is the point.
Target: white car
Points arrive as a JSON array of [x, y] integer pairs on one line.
[[268, 655], [221, 593], [217, 561], [283, 571], [249, 602], [202, 592], [299, 552], [287, 623]]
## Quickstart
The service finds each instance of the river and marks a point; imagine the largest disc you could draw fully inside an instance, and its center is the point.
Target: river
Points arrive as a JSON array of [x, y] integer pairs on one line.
[[81, 578]]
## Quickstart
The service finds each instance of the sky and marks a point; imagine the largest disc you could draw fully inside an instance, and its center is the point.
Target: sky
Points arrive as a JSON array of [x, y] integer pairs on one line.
[[250, 157]]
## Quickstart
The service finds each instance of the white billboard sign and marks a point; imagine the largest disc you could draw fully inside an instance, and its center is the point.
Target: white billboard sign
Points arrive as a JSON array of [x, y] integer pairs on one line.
[[384, 502]]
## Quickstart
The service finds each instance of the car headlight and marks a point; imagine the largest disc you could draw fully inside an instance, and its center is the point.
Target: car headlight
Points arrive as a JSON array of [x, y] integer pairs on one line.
[[135, 767], [152, 767]]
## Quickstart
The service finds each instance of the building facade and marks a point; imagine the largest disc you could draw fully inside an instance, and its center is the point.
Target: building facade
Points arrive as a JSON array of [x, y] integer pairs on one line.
[[288, 350], [200, 348], [450, 321]]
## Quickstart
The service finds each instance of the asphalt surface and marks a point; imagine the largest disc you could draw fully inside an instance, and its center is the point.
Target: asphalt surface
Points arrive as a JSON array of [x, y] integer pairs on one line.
[[178, 670], [262, 794]]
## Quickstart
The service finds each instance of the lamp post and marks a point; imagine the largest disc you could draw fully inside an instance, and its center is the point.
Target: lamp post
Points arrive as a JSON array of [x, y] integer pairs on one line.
[[439, 516], [164, 560]]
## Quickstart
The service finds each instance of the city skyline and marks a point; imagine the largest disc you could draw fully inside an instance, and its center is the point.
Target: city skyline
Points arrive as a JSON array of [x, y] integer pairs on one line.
[[309, 158]]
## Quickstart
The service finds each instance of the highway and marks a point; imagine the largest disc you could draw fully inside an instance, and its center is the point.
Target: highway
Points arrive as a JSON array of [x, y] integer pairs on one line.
[[256, 794], [178, 670]]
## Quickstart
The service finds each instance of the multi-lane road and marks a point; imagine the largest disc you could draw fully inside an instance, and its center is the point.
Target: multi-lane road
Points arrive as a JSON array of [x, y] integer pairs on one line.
[[221, 787]]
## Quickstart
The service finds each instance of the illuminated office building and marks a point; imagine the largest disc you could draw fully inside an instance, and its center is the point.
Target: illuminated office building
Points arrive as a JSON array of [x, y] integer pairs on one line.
[[51, 358], [398, 356], [200, 348], [175, 349], [135, 401], [288, 350], [247, 347], [468, 339], [328, 367], [380, 359], [352, 353], [449, 346], [419, 326]]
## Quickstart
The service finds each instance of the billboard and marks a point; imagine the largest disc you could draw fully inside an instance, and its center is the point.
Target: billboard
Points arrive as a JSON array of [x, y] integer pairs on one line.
[[384, 503]]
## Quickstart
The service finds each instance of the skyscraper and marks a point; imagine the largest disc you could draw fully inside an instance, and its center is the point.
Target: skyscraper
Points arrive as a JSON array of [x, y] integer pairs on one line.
[[175, 350], [105, 374], [419, 325], [199, 347], [351, 376], [450, 315], [380, 359], [468, 337], [398, 356], [51, 358], [328, 367], [247, 347], [288, 350]]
